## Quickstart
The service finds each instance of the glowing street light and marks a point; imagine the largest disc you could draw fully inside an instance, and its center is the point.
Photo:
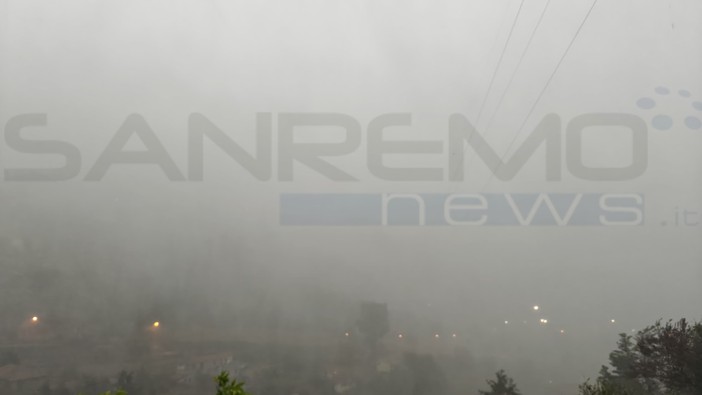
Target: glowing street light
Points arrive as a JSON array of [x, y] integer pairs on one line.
[[543, 321], [454, 335], [400, 336], [156, 324], [35, 319], [562, 331], [347, 334], [436, 336], [536, 308], [506, 322], [613, 321]]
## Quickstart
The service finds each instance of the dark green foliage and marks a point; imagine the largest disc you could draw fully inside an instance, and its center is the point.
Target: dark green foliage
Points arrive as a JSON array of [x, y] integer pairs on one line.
[[671, 354], [627, 373], [661, 359], [227, 386], [602, 387], [502, 385]]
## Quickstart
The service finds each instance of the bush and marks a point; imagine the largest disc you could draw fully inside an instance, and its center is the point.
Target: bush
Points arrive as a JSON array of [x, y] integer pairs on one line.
[[227, 386]]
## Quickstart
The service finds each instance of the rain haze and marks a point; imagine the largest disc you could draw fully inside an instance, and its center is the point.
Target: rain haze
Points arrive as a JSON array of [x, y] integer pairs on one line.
[[347, 197]]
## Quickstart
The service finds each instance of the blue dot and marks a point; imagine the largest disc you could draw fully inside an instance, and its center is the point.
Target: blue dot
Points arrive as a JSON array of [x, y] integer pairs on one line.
[[684, 93], [662, 122], [646, 103], [662, 90], [697, 105], [693, 123]]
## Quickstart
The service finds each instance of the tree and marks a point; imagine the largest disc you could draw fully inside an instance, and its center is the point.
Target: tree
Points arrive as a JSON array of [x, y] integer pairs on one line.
[[672, 354], [227, 386], [660, 359], [626, 372], [502, 385], [602, 387], [373, 323]]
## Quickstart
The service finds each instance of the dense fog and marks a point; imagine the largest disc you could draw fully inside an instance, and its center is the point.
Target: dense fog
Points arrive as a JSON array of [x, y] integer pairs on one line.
[[195, 187]]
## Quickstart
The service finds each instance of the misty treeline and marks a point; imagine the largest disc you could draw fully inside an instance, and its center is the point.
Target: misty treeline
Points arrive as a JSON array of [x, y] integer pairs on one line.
[[662, 359]]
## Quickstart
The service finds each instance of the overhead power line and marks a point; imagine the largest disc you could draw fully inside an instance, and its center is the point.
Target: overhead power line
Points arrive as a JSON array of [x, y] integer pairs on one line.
[[497, 67], [514, 73], [499, 62], [543, 90], [519, 64]]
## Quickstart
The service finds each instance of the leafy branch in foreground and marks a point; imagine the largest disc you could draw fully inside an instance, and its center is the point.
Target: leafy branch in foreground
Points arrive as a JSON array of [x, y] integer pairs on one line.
[[227, 386]]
